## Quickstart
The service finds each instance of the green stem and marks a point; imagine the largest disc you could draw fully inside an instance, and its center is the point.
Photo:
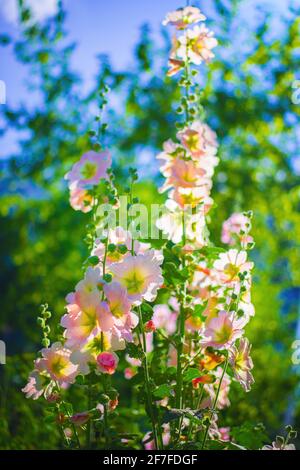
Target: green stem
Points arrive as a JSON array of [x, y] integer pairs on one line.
[[147, 380], [181, 332], [215, 402], [88, 427]]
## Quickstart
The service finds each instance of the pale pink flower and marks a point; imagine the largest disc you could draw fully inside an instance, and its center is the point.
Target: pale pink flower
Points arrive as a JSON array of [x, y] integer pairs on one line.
[[81, 200], [183, 17], [140, 275], [183, 173], [223, 398], [166, 436], [222, 331], [89, 170], [117, 299], [133, 361], [87, 290], [165, 318], [56, 362], [84, 325], [279, 446], [170, 150], [82, 360], [35, 386], [171, 224], [196, 45], [107, 362], [120, 238], [129, 373], [68, 433], [80, 418], [200, 140], [241, 363], [192, 197], [225, 434], [231, 263], [232, 228]]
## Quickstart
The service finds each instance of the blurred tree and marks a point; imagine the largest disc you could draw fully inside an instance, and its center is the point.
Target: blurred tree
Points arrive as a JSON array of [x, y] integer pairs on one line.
[[247, 97]]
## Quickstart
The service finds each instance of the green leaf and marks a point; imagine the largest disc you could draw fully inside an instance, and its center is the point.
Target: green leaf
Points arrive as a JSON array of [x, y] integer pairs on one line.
[[163, 391], [191, 374], [199, 309], [134, 351], [147, 312]]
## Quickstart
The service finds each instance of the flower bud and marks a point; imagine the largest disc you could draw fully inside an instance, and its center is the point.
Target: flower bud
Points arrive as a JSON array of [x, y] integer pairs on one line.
[[149, 327]]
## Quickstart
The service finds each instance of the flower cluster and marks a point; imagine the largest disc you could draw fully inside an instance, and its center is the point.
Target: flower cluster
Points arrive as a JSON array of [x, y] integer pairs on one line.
[[101, 312], [172, 313], [216, 305], [84, 175]]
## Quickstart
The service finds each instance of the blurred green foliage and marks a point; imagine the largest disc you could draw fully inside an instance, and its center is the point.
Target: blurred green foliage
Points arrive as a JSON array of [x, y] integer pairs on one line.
[[247, 97]]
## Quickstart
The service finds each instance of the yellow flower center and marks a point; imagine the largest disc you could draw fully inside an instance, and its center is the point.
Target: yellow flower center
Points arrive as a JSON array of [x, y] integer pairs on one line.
[[134, 281], [98, 344], [231, 270], [192, 141], [89, 320], [58, 365], [89, 170], [224, 334]]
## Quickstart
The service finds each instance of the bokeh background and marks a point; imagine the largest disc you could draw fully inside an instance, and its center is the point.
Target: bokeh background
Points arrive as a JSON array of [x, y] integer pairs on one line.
[[53, 64]]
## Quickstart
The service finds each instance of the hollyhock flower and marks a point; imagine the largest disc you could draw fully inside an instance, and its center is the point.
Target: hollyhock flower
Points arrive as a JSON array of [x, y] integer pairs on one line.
[[107, 362], [81, 200], [129, 373], [171, 224], [122, 239], [196, 45], [204, 379], [225, 434], [56, 362], [182, 173], [211, 360], [140, 275], [183, 17], [81, 327], [80, 418], [241, 363], [117, 299], [82, 360], [89, 170], [200, 140], [165, 318], [192, 197], [231, 263], [87, 290], [223, 400], [193, 323], [276, 445], [35, 386], [166, 436], [232, 228], [223, 330], [68, 433]]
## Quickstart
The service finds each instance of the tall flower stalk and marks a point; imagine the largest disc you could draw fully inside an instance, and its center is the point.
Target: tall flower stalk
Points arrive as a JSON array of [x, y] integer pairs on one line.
[[170, 313]]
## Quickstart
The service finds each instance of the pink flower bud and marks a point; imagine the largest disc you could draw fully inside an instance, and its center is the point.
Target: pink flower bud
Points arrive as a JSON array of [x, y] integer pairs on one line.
[[150, 326], [80, 418], [107, 362]]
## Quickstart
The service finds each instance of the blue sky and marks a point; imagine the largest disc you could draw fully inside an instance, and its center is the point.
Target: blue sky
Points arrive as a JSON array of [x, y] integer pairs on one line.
[[97, 26]]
